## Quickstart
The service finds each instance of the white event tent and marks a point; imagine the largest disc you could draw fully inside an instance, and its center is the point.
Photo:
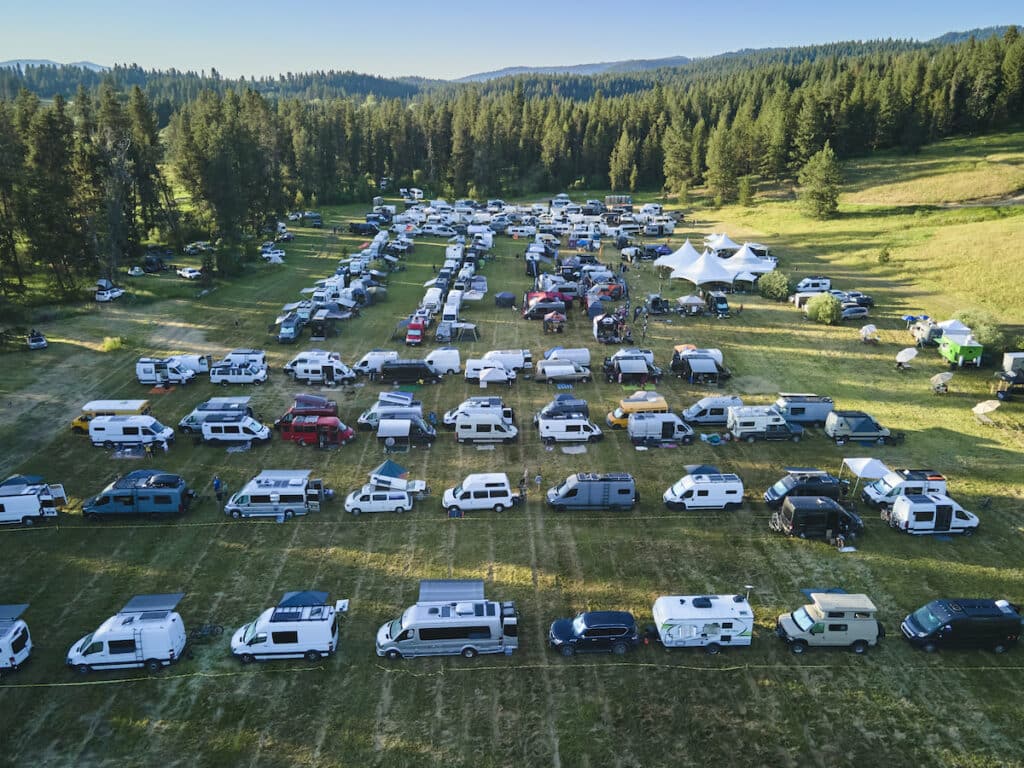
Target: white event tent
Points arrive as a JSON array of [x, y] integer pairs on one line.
[[706, 269], [681, 257], [746, 261], [719, 243]]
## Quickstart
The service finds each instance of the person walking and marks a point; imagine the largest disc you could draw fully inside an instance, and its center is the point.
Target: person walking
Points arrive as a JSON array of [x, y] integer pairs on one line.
[[218, 488]]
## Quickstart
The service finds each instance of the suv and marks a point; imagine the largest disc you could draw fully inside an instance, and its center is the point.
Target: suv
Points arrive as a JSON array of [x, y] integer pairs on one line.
[[805, 481], [594, 632]]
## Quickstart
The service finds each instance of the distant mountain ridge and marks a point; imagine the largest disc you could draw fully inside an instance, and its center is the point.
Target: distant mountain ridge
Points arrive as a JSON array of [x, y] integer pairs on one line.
[[639, 65], [11, 63]]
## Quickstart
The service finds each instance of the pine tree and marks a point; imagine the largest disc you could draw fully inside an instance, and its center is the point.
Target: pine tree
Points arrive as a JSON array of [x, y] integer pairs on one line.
[[722, 177], [675, 147], [820, 181], [621, 163], [698, 151]]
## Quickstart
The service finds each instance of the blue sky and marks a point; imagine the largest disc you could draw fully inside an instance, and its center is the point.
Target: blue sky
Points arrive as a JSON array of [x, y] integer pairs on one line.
[[452, 38]]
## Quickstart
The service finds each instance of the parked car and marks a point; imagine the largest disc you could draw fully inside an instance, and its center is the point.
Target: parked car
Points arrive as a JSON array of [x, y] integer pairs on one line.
[[853, 312], [189, 273], [594, 632], [136, 271], [109, 294]]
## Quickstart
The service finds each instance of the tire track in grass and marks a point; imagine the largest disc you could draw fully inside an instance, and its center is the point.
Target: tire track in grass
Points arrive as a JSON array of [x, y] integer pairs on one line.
[[534, 531]]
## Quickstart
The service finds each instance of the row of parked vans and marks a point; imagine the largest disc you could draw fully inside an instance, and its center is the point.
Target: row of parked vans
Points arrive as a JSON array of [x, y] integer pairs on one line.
[[454, 617]]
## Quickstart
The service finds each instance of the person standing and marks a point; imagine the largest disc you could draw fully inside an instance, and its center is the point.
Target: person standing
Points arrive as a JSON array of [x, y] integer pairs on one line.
[[218, 488]]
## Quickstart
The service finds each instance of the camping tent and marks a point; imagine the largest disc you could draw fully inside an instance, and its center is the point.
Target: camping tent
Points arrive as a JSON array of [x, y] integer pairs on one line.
[[706, 269], [505, 299], [686, 254], [864, 469]]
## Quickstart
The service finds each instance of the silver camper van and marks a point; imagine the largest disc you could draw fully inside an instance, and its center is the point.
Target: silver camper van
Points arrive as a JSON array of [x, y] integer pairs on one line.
[[711, 410], [589, 490], [452, 617]]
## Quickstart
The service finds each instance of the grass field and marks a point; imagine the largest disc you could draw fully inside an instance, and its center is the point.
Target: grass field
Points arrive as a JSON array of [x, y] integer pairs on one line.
[[756, 706]]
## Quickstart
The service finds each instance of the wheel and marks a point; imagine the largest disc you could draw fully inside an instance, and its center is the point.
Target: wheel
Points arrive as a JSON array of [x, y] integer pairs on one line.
[[688, 440], [798, 647], [713, 649], [795, 438], [499, 507], [549, 442], [619, 649], [288, 514], [237, 514], [107, 444], [248, 658], [750, 438], [559, 508], [968, 531], [224, 383], [28, 522], [153, 665], [860, 647], [312, 655], [592, 439], [258, 382], [303, 443], [83, 669], [393, 654], [216, 630], [453, 510], [568, 650], [929, 648], [999, 648], [469, 653], [399, 510], [881, 441]]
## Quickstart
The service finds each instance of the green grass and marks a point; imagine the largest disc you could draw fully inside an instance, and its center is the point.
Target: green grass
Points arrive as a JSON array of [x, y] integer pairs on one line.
[[757, 706]]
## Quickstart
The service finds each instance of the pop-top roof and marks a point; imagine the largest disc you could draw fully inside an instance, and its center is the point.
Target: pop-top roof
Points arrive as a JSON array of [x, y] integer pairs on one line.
[[301, 599]]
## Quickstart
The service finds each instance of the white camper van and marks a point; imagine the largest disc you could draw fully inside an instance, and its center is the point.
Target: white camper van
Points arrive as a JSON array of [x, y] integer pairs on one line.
[[109, 431], [234, 428], [711, 410], [31, 501], [479, 403], [278, 492], [902, 482], [710, 622], [193, 422], [147, 632], [304, 625], [15, 639], [488, 490], [710, 491], [922, 513], [486, 425], [161, 371], [512, 359], [568, 429], [244, 357], [445, 360], [371, 362], [452, 617]]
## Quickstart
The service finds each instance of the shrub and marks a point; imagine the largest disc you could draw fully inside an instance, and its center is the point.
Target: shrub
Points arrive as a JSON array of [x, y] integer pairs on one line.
[[775, 286], [825, 309], [985, 328], [112, 343], [884, 256]]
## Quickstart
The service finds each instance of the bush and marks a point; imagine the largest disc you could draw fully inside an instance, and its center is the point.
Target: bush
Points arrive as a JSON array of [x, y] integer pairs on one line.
[[985, 328], [775, 286], [112, 343], [884, 256], [825, 309]]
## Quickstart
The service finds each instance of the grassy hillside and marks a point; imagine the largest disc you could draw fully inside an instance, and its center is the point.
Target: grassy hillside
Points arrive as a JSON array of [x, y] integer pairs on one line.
[[756, 706]]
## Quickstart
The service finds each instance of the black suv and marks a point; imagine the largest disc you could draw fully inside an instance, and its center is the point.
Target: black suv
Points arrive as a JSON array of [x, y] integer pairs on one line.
[[594, 632], [805, 481]]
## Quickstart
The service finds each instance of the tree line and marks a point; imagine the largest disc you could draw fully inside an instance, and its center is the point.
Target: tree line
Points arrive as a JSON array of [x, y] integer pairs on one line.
[[84, 183]]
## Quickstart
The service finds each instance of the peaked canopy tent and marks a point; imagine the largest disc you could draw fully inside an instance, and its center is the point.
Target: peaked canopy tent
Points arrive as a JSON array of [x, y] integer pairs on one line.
[[705, 270], [685, 254], [720, 243], [745, 260]]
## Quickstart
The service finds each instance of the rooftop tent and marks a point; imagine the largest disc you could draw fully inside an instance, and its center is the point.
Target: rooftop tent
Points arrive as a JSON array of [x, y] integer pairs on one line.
[[686, 254], [505, 299], [156, 603], [706, 269], [390, 469], [302, 599]]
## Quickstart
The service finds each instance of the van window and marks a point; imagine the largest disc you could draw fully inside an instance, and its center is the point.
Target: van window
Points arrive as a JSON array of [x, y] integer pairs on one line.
[[483, 428], [20, 641], [284, 638], [837, 627], [572, 427], [797, 411], [836, 614], [93, 648], [924, 516], [701, 494], [624, 492], [125, 501], [861, 615], [480, 494], [257, 499], [121, 646], [455, 633], [162, 499], [129, 431], [498, 494], [292, 498]]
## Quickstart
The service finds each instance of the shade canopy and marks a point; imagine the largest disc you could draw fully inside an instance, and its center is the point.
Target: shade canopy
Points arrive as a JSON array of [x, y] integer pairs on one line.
[[685, 254], [745, 260], [866, 468], [706, 269], [986, 406], [906, 355]]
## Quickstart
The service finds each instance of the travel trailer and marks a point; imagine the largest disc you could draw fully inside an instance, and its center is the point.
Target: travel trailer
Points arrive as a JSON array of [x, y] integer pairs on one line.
[[147, 632], [31, 501], [451, 617], [711, 622], [303, 625]]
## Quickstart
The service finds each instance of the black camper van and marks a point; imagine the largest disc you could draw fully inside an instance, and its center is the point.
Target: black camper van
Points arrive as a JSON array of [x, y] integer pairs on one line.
[[964, 623]]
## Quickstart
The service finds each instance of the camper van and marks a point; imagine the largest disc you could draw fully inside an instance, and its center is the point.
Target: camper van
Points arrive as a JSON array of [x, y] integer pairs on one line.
[[476, 369], [658, 429], [152, 492], [964, 623], [711, 411], [921, 513], [804, 408], [568, 429], [489, 490], [842, 620], [512, 359], [589, 490], [308, 405], [815, 517], [486, 425], [304, 625], [322, 431], [761, 422], [15, 639], [31, 501], [109, 431], [843, 426], [233, 428], [408, 372], [805, 481], [409, 431], [147, 632], [371, 362], [193, 422], [561, 371], [310, 357], [478, 403], [237, 374], [711, 622], [388, 407], [902, 482], [371, 498], [705, 491], [327, 372], [639, 402], [451, 617], [245, 357], [578, 355], [162, 371], [94, 408], [814, 284], [445, 360], [278, 492]]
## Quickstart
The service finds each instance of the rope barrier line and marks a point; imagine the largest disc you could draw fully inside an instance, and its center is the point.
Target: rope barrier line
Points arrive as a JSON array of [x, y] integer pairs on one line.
[[155, 678]]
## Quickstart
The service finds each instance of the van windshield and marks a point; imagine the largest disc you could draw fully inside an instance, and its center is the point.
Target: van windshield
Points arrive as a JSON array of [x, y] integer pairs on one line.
[[395, 628], [618, 413], [883, 486], [781, 487], [926, 619], [802, 619], [85, 642], [249, 632], [157, 427]]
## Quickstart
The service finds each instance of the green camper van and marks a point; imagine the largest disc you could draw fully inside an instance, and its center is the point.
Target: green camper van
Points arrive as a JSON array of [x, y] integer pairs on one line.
[[960, 350]]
